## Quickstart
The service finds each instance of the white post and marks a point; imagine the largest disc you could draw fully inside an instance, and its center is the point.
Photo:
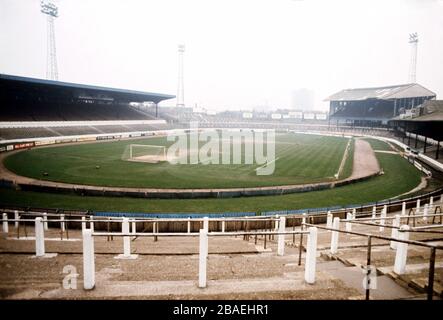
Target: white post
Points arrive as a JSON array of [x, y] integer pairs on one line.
[[276, 222], [203, 256], [62, 222], [334, 237], [329, 220], [354, 213], [425, 213], [16, 217], [281, 237], [402, 251], [88, 260], [206, 224], [134, 227], [303, 221], [189, 224], [374, 212], [5, 223], [348, 224], [83, 224], [91, 223], [431, 204], [403, 209], [39, 237], [223, 225], [382, 220], [311, 256], [45, 221], [394, 231], [417, 211], [126, 240]]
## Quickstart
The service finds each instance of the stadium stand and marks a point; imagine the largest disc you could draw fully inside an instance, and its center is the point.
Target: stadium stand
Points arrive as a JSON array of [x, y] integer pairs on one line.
[[67, 112], [377, 105]]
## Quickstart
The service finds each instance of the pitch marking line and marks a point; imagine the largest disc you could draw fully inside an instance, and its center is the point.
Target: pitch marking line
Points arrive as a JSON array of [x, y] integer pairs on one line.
[[267, 163], [343, 160]]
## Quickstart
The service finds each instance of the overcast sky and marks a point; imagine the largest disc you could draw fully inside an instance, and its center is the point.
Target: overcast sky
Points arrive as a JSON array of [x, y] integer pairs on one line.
[[239, 53]]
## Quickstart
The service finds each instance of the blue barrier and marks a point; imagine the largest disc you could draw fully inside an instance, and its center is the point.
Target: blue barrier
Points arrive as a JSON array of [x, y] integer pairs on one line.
[[176, 215], [181, 215]]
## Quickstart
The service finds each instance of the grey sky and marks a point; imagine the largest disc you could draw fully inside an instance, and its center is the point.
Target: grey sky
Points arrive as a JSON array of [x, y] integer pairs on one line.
[[239, 53]]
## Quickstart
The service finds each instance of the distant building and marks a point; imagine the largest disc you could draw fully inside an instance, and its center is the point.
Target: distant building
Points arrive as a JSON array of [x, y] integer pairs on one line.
[[375, 106]]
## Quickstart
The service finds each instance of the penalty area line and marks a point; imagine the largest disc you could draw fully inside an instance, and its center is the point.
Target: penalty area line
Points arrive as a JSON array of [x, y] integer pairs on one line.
[[267, 163]]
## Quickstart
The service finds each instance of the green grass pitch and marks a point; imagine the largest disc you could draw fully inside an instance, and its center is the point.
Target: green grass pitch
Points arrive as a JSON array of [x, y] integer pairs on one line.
[[400, 177], [301, 159]]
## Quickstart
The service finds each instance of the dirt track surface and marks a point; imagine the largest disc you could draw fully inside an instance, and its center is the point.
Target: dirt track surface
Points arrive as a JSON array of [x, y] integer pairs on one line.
[[365, 161]]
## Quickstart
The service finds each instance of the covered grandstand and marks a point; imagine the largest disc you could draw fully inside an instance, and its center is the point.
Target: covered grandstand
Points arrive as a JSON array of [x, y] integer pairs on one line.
[[421, 128], [44, 108], [30, 99], [375, 106]]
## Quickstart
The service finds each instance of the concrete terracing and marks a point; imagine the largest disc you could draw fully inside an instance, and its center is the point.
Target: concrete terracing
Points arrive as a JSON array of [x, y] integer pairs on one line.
[[237, 268]]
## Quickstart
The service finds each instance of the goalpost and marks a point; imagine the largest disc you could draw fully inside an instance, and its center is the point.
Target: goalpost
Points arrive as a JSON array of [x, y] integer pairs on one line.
[[147, 153]]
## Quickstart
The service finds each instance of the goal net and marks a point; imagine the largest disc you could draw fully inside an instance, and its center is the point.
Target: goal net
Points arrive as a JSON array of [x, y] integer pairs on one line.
[[145, 153]]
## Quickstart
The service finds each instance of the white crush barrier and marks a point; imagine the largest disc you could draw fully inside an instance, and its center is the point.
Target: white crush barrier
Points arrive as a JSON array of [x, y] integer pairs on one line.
[[402, 251], [281, 237], [45, 221], [394, 231], [403, 209], [206, 224], [425, 212], [383, 217], [374, 212], [348, 224], [16, 217], [5, 223], [88, 260], [126, 242], [83, 224], [62, 222], [329, 219], [311, 256], [334, 237], [417, 209], [39, 238], [203, 257], [189, 225], [223, 226]]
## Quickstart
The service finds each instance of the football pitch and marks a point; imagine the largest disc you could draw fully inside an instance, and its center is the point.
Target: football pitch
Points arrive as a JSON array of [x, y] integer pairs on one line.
[[299, 159]]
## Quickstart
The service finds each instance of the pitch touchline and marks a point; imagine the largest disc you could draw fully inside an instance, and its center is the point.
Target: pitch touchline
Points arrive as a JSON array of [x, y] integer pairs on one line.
[[343, 160]]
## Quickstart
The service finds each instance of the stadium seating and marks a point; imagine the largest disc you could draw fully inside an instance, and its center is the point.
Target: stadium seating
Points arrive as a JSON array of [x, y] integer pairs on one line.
[[77, 112], [40, 132]]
